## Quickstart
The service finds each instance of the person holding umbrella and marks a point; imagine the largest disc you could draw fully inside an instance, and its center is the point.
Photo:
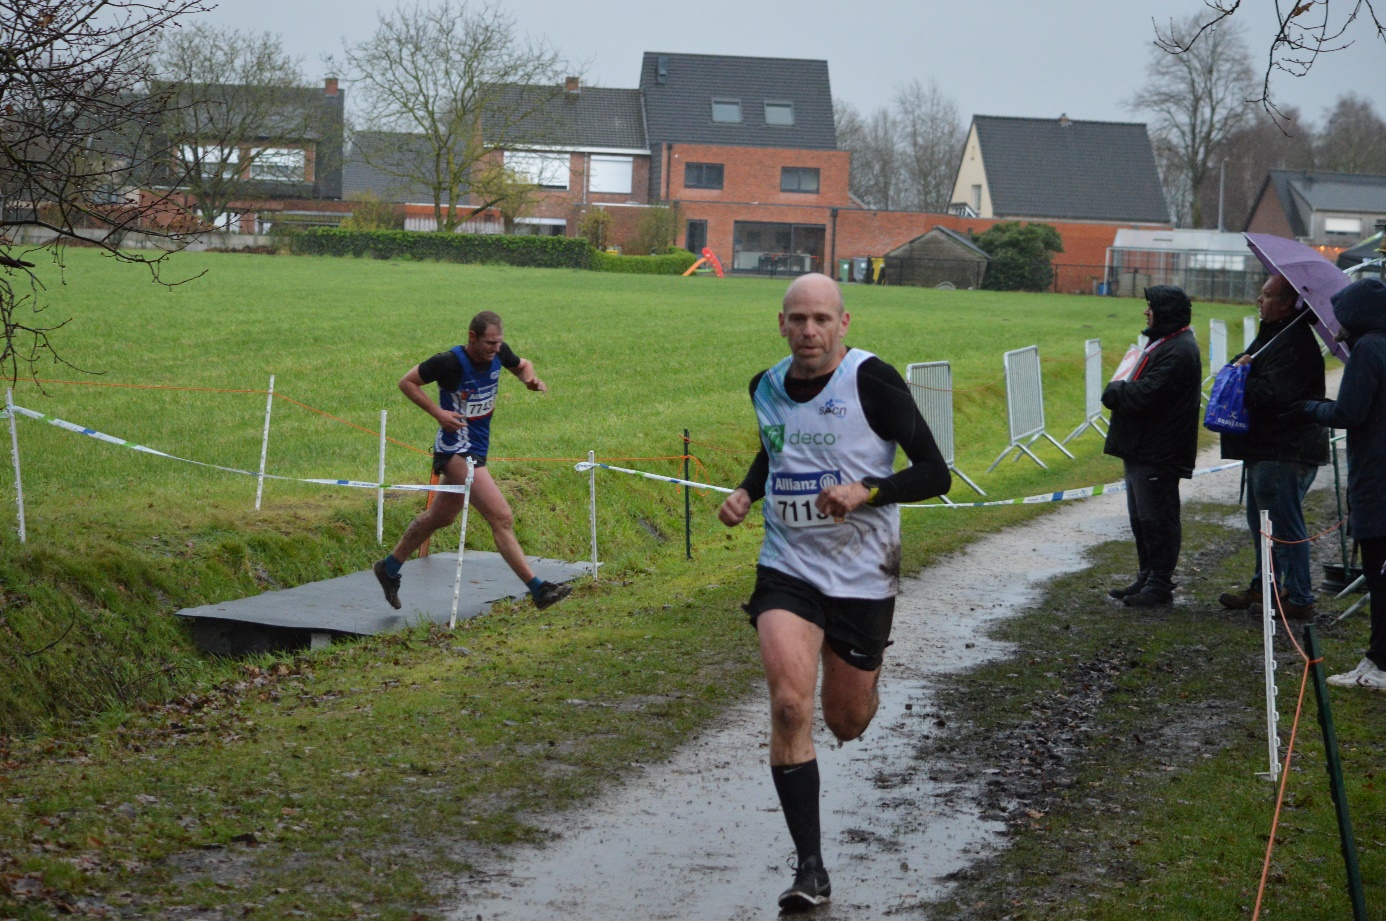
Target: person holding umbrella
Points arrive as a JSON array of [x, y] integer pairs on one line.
[[1282, 452], [1360, 309]]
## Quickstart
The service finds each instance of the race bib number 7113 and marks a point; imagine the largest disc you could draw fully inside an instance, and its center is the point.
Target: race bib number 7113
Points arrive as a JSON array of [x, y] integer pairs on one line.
[[792, 496]]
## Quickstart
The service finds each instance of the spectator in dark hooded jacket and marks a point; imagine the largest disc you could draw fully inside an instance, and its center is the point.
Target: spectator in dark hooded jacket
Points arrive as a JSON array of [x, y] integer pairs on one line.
[[1281, 452], [1154, 431], [1361, 410]]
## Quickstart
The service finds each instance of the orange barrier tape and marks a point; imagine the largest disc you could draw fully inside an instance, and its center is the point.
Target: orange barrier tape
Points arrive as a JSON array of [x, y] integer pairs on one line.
[[39, 380], [1276, 540]]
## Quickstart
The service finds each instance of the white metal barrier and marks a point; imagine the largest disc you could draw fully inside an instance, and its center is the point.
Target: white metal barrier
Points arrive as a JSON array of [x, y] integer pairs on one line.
[[1249, 327], [931, 385], [1217, 352], [1092, 390], [18, 480], [1268, 612], [1025, 405]]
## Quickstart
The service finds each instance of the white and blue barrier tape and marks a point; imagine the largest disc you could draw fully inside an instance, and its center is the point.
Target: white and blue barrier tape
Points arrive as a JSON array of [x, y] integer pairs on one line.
[[111, 439], [1087, 492]]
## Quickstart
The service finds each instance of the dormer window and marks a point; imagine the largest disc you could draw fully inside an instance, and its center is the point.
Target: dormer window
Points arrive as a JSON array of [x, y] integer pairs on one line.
[[779, 114], [726, 111]]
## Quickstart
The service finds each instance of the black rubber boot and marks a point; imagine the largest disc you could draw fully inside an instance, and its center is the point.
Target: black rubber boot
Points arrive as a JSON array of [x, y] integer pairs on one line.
[[1159, 590], [1121, 593]]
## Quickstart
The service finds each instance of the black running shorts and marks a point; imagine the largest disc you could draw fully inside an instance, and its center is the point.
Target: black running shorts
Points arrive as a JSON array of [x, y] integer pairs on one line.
[[440, 461], [857, 629]]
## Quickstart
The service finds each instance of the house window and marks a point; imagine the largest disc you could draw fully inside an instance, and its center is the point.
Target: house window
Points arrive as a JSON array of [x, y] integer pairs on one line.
[[799, 179], [546, 170], [610, 174], [779, 114], [211, 161], [1344, 225], [977, 198], [726, 110], [702, 176], [279, 164]]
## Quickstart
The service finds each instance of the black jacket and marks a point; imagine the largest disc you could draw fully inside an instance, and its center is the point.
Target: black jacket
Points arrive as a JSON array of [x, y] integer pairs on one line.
[[1361, 407], [1155, 417], [1289, 371]]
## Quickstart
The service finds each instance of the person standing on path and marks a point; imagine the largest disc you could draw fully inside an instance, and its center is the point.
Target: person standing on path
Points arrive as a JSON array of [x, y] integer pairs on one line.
[[1282, 452], [1154, 430], [1361, 410], [468, 379], [831, 418]]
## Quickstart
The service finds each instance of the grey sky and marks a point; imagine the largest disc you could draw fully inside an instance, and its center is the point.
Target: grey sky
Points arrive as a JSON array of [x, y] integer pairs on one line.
[[994, 57]]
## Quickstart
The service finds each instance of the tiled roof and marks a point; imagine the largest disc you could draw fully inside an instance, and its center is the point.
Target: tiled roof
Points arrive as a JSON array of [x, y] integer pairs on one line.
[[1070, 170], [593, 116], [374, 159], [679, 89]]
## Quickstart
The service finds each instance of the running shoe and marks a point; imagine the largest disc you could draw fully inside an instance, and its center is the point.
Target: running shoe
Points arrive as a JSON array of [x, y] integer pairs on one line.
[[1365, 675], [549, 593], [811, 888], [388, 582]]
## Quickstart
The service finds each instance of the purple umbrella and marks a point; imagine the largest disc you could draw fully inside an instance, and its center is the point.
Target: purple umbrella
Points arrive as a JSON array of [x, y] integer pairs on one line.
[[1314, 277]]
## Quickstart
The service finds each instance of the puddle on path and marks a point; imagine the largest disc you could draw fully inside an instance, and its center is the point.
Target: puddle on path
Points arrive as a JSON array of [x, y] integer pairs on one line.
[[701, 835]]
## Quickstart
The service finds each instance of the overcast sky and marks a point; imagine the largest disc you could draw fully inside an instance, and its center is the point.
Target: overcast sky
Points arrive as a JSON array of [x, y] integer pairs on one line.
[[1085, 58]]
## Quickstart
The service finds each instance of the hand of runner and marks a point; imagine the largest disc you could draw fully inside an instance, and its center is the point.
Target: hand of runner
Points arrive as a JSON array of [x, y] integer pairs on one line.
[[450, 422], [733, 511], [837, 501], [537, 386]]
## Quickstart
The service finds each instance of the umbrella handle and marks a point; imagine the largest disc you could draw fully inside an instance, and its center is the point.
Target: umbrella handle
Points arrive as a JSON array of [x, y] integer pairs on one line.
[[1302, 314]]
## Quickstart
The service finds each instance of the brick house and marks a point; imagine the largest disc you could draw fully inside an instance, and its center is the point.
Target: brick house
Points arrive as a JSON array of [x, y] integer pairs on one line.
[[1330, 211]]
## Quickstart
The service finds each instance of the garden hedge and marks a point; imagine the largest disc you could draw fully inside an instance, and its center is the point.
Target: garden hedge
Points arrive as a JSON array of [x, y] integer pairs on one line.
[[527, 251]]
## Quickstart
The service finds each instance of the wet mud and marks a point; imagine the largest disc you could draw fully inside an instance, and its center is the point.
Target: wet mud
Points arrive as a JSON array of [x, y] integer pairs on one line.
[[701, 836]]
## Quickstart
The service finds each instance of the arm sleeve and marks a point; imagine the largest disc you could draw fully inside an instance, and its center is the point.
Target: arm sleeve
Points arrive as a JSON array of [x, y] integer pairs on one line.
[[1159, 383], [754, 480], [1288, 373], [508, 359], [442, 365], [892, 414], [1356, 392]]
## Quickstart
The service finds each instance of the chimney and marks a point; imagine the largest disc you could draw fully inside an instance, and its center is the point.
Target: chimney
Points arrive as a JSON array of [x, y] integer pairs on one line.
[[1064, 121], [329, 86], [571, 85]]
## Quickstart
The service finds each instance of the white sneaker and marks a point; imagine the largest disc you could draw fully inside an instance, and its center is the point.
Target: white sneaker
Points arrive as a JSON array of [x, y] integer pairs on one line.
[[1365, 675]]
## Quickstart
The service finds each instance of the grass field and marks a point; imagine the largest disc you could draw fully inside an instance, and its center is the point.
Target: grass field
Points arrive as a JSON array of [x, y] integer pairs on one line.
[[631, 362], [131, 751]]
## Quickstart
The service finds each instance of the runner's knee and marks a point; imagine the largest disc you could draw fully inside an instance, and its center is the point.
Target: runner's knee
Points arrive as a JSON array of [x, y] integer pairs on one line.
[[791, 712]]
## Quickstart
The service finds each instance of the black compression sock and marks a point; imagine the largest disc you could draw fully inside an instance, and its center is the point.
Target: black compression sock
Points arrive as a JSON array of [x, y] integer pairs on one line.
[[797, 786]]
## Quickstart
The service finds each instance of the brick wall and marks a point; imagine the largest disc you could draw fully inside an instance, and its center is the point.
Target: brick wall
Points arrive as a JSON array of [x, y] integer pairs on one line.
[[752, 174]]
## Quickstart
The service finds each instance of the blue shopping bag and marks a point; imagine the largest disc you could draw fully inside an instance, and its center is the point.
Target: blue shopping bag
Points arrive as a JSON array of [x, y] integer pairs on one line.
[[1227, 402]]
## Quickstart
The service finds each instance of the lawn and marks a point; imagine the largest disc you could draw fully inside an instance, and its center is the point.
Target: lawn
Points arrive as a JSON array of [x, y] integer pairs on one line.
[[136, 749]]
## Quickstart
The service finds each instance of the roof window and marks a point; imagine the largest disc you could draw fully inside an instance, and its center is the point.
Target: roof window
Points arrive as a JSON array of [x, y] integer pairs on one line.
[[779, 114], [726, 111]]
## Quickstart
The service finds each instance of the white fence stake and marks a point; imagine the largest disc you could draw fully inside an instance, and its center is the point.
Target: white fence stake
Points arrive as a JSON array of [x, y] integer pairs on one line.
[[931, 385], [1217, 350], [462, 541], [1025, 405], [1249, 325], [1092, 391], [592, 506], [14, 450], [380, 493], [264, 445], [1268, 611]]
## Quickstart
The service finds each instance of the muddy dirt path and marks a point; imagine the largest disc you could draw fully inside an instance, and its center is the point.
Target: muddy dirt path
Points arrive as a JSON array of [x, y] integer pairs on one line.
[[701, 836]]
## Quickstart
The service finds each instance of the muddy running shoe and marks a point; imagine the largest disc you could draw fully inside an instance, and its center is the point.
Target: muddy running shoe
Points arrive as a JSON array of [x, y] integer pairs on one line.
[[811, 888], [1365, 675], [388, 582], [550, 593]]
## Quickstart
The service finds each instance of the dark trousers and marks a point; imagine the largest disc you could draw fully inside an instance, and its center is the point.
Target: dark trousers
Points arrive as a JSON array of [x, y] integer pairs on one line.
[[1152, 500], [1278, 487], [1373, 558]]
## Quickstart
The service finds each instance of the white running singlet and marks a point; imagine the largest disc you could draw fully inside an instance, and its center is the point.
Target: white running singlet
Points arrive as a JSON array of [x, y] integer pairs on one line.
[[813, 445]]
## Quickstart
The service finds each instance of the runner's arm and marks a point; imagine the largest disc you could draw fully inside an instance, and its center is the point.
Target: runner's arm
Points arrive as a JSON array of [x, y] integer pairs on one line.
[[521, 368], [412, 386], [893, 415]]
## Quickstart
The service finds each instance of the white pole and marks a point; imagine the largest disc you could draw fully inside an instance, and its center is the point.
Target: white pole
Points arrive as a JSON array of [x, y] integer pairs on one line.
[[1268, 611], [264, 445], [14, 450], [380, 493], [462, 541], [592, 507]]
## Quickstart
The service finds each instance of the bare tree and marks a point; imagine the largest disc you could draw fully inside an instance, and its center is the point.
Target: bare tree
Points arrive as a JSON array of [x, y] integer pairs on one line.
[[1261, 145], [242, 124], [874, 142], [1353, 139], [931, 134], [78, 138], [1197, 99], [1304, 30], [460, 82]]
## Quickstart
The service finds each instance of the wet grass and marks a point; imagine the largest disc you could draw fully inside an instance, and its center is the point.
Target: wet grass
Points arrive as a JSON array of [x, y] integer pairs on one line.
[[1122, 746]]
